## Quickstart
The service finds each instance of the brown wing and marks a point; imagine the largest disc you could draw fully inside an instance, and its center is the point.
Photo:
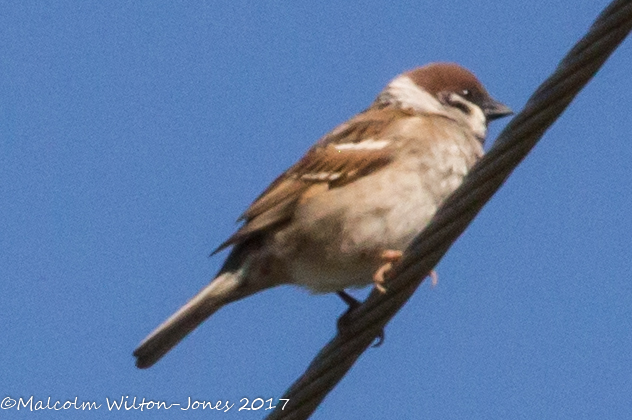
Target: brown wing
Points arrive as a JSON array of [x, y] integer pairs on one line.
[[332, 162]]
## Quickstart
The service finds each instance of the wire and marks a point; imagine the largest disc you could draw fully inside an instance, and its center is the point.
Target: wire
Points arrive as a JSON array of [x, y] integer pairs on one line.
[[366, 322]]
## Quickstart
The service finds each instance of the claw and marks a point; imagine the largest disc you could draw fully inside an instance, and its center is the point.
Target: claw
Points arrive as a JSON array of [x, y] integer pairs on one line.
[[378, 277], [434, 278], [392, 255], [389, 257], [380, 339]]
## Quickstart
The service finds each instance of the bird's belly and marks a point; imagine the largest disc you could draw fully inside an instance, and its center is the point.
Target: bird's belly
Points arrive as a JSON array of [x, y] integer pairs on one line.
[[339, 236]]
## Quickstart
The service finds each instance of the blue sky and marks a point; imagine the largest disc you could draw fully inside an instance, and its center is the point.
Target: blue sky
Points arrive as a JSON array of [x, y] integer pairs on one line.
[[132, 135]]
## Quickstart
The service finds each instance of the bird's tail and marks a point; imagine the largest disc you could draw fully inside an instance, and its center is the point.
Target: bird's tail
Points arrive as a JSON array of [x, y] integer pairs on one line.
[[222, 290]]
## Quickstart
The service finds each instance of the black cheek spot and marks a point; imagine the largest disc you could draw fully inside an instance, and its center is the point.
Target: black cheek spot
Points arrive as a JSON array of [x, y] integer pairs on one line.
[[459, 105]]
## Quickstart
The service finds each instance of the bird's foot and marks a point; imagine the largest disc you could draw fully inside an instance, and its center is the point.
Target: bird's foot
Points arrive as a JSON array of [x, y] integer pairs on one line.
[[389, 257]]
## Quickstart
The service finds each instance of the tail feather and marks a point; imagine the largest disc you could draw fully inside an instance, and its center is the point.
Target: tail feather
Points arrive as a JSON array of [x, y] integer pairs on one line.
[[219, 292]]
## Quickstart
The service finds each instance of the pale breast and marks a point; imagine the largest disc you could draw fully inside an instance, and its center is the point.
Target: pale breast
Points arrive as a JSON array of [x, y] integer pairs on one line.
[[336, 237]]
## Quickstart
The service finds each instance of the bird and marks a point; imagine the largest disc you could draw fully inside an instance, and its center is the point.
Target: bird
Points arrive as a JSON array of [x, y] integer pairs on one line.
[[342, 215]]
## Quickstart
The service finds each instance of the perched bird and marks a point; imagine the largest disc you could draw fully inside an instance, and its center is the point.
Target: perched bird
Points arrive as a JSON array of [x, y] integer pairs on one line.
[[343, 214]]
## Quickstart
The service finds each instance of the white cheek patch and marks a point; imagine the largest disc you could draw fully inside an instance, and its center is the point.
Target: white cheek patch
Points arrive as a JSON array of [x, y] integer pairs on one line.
[[410, 95], [368, 144], [478, 122], [475, 120]]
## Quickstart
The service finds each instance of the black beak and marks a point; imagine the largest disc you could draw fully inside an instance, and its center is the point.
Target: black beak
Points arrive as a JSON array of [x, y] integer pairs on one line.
[[494, 110]]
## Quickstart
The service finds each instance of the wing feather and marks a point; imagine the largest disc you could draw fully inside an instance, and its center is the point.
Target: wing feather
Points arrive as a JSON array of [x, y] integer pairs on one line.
[[352, 150]]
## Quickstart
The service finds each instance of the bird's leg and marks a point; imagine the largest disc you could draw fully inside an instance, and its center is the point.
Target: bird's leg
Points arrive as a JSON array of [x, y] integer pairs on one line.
[[389, 257], [353, 303], [348, 299]]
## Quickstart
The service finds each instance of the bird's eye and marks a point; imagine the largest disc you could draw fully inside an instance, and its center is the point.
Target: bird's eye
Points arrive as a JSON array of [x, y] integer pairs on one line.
[[465, 93]]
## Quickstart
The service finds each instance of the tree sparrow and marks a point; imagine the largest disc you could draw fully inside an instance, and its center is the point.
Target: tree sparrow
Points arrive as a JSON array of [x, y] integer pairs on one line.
[[347, 209]]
